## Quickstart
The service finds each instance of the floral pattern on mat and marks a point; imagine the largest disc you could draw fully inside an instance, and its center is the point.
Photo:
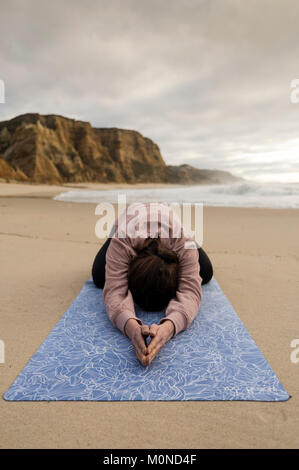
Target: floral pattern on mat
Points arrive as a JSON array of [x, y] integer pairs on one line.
[[85, 358]]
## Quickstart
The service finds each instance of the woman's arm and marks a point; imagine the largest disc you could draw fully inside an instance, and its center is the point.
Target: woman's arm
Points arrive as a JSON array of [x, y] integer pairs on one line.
[[184, 307], [118, 299]]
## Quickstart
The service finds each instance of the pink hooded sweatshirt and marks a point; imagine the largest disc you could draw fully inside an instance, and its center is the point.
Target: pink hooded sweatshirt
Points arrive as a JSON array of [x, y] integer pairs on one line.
[[135, 224]]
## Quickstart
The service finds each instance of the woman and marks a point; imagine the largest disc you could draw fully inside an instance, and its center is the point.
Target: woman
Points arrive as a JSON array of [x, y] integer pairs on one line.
[[153, 261]]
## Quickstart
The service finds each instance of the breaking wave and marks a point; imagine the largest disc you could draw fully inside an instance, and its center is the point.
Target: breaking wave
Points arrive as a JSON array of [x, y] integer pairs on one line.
[[241, 194]]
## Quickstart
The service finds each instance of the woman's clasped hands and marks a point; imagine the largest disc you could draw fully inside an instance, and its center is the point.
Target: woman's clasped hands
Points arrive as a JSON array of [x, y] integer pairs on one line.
[[159, 335]]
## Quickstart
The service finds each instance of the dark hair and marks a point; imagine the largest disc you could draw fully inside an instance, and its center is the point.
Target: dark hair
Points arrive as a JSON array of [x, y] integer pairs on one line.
[[153, 276]]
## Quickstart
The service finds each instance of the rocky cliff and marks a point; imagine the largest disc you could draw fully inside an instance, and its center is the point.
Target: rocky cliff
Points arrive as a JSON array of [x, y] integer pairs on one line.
[[55, 149]]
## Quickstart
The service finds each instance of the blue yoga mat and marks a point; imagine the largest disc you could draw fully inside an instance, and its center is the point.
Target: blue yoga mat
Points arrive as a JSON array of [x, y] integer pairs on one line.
[[86, 358]]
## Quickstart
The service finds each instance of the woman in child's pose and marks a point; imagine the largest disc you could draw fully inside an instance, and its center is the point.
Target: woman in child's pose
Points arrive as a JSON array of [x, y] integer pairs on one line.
[[151, 260]]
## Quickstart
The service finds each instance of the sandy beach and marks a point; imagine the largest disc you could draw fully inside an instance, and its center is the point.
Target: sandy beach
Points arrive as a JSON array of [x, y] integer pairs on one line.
[[46, 251]]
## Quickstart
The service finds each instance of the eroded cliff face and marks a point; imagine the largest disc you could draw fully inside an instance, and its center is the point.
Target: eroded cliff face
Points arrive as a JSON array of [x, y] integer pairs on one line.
[[7, 172], [54, 149]]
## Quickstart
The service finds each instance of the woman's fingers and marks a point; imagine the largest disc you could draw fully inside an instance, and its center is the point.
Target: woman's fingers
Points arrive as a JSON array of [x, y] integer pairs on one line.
[[140, 350], [144, 353], [159, 336], [153, 344], [145, 331], [154, 352], [153, 329], [158, 341], [140, 344], [156, 344], [142, 358]]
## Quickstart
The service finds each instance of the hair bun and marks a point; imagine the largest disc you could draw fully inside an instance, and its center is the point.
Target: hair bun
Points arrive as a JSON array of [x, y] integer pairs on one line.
[[167, 255], [152, 246]]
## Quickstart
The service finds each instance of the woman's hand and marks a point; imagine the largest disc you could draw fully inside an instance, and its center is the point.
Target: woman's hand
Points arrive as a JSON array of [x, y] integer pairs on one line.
[[137, 334], [160, 335]]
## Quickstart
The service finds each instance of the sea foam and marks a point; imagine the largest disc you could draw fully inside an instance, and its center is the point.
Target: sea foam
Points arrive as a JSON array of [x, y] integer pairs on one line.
[[243, 194]]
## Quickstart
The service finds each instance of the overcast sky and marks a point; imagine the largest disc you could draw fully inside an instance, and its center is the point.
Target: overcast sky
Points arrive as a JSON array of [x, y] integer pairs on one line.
[[208, 81]]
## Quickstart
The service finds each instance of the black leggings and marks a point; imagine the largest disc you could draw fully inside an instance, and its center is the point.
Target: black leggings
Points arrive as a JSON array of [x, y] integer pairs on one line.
[[98, 268]]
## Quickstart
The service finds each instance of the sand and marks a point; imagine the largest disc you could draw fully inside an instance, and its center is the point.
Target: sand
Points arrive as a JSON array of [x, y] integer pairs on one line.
[[46, 251], [49, 190]]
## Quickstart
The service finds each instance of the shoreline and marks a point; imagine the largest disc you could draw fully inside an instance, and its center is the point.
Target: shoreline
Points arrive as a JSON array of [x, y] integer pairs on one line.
[[21, 189], [44, 191]]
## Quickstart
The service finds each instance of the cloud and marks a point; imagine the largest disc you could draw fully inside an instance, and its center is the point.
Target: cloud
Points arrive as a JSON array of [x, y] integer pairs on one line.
[[206, 80]]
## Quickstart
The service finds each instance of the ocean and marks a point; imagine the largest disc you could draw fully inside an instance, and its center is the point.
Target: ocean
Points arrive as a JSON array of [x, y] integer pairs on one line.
[[241, 194]]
